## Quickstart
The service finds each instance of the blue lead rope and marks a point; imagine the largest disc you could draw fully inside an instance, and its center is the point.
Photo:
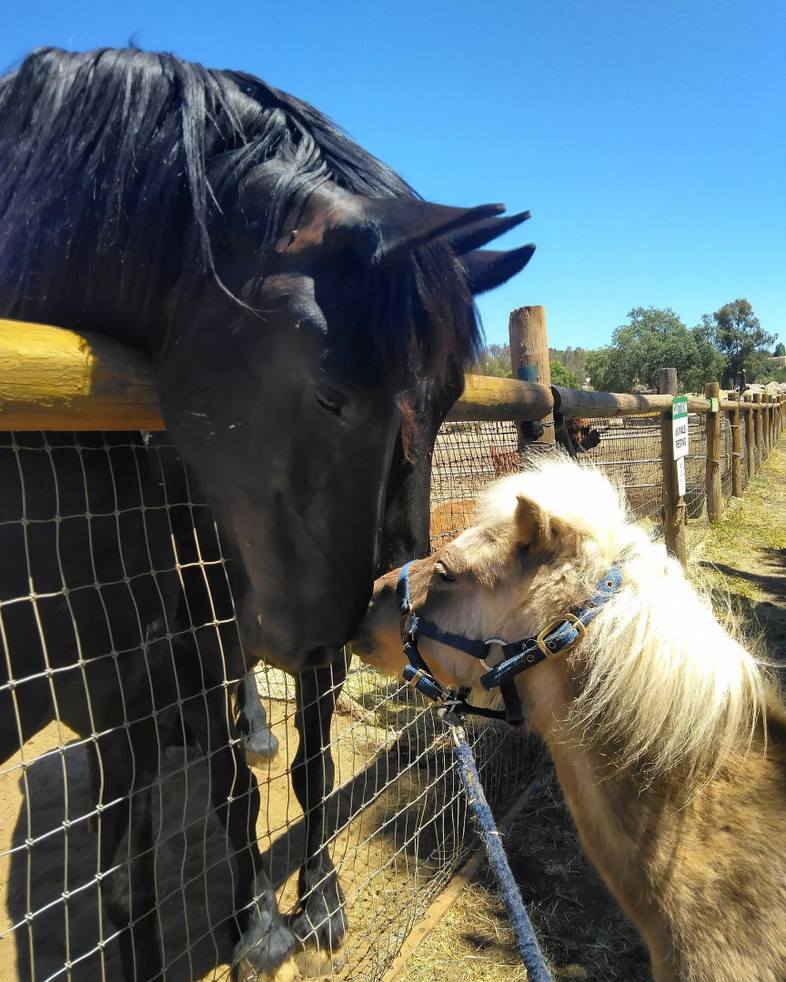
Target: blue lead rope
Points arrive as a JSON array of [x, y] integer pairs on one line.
[[526, 942], [557, 638]]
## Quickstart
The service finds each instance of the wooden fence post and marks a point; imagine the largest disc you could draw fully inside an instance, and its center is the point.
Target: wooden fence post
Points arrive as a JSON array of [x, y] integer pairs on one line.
[[757, 439], [772, 421], [713, 433], [750, 439], [674, 512], [737, 469], [767, 427], [773, 435], [529, 359]]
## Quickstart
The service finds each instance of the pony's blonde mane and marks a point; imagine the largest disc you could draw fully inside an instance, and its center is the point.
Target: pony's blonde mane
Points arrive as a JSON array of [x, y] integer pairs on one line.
[[660, 678]]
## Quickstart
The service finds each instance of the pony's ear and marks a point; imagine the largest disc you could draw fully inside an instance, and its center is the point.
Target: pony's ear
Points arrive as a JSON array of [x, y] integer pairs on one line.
[[535, 528], [531, 522], [487, 269]]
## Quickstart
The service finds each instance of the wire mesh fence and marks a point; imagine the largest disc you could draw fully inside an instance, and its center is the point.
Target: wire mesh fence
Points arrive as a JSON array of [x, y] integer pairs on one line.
[[117, 719], [122, 657], [468, 455], [629, 454]]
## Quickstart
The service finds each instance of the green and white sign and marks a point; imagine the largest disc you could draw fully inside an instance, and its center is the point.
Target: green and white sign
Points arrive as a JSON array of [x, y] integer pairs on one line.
[[679, 437]]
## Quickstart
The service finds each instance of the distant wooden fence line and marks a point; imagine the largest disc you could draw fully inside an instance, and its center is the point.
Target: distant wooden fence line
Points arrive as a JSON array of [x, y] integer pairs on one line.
[[56, 379]]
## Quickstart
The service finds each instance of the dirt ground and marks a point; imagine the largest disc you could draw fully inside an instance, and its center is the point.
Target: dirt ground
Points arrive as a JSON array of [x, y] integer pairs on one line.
[[583, 933], [396, 826]]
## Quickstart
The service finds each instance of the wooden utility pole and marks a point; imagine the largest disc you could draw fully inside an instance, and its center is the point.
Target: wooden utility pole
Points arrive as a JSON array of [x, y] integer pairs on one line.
[[529, 360], [674, 513], [713, 433]]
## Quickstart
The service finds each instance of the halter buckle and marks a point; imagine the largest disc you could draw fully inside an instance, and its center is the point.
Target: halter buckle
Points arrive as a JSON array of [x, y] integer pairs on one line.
[[417, 675], [571, 619]]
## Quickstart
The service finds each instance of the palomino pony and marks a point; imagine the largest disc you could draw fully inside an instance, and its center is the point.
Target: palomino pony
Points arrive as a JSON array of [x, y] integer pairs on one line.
[[310, 319], [668, 740]]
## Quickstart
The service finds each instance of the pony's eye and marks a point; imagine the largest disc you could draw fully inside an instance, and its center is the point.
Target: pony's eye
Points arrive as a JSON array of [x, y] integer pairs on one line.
[[330, 400], [444, 574]]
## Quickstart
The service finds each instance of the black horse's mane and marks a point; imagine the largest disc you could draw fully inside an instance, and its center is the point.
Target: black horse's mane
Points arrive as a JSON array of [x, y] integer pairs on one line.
[[113, 164]]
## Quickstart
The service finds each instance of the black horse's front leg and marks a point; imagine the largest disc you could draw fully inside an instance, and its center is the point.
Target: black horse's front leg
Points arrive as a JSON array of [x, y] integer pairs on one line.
[[259, 742], [123, 767], [319, 918], [262, 939]]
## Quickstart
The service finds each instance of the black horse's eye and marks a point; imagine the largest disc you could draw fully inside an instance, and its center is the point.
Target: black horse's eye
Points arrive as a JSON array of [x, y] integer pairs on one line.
[[444, 574], [331, 400]]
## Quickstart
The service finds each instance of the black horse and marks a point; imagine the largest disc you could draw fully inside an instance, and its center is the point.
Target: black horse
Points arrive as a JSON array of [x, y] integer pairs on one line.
[[310, 319]]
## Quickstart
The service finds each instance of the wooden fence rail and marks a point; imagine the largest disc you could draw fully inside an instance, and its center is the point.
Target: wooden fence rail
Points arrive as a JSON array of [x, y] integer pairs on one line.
[[56, 379], [53, 378]]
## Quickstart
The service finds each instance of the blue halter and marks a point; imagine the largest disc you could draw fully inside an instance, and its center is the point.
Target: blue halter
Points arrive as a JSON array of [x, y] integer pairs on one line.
[[557, 638]]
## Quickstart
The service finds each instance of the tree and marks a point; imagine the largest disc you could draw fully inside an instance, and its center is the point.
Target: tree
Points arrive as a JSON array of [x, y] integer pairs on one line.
[[653, 339], [780, 350], [560, 375], [775, 375], [736, 331], [598, 366], [574, 359], [494, 360]]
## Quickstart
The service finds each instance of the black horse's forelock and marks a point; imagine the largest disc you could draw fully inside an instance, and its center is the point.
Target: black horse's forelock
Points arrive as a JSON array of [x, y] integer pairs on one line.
[[113, 163]]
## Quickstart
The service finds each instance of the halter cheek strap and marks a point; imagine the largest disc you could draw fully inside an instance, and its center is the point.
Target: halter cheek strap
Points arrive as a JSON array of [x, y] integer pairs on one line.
[[557, 638]]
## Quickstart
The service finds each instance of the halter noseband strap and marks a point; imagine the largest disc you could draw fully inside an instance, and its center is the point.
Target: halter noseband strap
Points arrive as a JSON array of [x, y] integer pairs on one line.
[[557, 638]]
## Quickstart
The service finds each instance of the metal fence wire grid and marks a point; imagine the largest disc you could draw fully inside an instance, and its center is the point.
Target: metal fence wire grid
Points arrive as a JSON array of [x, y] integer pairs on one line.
[[112, 577]]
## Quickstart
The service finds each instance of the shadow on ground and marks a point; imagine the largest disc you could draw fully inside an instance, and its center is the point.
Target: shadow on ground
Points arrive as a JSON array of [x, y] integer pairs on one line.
[[766, 616], [411, 806]]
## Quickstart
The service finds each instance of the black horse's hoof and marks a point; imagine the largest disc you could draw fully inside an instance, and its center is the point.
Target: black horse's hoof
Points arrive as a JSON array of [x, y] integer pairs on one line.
[[319, 921], [260, 746], [267, 942]]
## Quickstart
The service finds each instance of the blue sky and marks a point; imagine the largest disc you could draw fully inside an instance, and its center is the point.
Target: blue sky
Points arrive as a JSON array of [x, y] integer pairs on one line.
[[648, 137]]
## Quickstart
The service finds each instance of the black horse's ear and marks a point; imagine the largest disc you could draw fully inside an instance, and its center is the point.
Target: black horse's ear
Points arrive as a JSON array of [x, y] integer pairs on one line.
[[487, 269], [404, 224], [481, 233]]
